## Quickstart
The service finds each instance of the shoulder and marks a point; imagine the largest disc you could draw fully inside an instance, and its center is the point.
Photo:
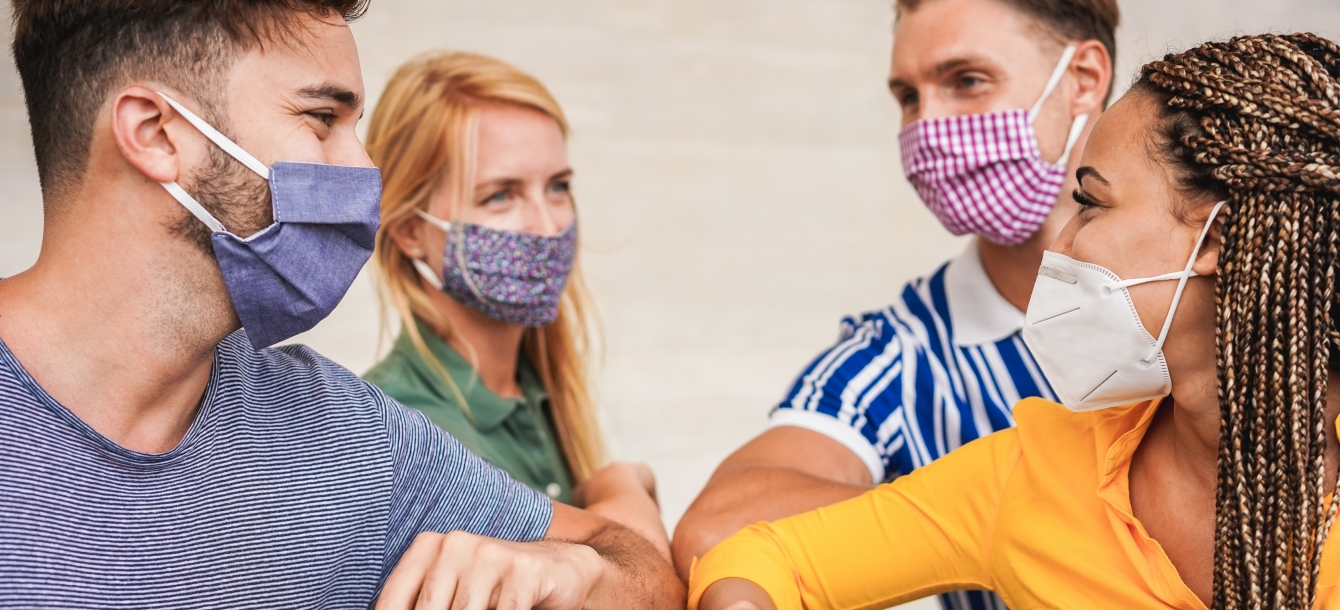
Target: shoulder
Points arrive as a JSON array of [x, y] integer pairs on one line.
[[401, 378], [294, 383]]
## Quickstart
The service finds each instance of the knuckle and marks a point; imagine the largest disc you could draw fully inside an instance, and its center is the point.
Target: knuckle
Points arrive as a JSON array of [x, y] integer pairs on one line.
[[457, 539]]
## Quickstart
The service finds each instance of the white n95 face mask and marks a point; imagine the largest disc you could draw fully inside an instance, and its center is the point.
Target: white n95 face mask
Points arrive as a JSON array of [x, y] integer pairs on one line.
[[1083, 330]]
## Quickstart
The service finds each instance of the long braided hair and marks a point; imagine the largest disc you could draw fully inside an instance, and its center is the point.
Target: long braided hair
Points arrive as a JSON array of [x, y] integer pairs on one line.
[[1256, 120]]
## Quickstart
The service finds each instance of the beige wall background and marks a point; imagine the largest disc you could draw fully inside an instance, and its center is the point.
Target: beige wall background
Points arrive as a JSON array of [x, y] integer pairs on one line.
[[738, 180]]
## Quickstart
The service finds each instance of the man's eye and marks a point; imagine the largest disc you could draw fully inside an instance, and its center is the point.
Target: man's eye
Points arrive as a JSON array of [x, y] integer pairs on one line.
[[326, 118], [909, 99], [968, 82], [561, 186]]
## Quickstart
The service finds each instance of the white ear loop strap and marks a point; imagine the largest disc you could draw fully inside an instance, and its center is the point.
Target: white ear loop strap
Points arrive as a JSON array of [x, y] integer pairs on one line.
[[1061, 67], [1076, 128], [193, 206], [228, 146], [1186, 274], [433, 220], [427, 272], [1077, 125], [219, 139]]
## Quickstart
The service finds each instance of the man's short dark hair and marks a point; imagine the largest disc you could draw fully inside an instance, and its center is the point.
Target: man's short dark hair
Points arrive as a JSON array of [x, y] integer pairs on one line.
[[71, 53], [1067, 19]]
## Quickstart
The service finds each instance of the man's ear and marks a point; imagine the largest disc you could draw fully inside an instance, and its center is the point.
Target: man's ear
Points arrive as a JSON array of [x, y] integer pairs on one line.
[[1092, 69], [147, 132], [1207, 260]]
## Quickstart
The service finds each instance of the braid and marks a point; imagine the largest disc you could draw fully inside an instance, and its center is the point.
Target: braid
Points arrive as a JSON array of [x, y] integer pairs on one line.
[[1258, 118]]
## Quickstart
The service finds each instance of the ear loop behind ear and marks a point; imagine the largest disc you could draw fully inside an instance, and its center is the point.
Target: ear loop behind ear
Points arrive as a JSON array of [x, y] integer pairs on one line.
[[1076, 125], [223, 142], [1181, 285], [426, 271]]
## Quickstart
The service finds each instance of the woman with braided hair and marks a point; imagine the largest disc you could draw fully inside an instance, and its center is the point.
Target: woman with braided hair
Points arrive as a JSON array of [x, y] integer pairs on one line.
[[1184, 318]]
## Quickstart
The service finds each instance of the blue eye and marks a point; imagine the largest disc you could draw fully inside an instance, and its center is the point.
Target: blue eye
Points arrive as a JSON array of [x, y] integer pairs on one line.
[[561, 186], [497, 197]]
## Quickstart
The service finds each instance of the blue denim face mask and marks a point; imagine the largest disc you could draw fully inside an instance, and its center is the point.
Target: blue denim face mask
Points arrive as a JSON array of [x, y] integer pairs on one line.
[[286, 278]]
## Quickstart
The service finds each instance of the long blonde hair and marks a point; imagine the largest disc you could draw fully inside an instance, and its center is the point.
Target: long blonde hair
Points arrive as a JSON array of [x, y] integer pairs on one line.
[[425, 128]]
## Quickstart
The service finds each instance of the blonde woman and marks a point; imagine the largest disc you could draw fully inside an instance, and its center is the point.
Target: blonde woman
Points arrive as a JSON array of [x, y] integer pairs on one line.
[[477, 256]]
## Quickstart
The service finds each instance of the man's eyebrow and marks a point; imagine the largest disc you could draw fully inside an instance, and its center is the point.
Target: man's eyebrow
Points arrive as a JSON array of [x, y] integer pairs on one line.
[[334, 93], [944, 67], [949, 65], [1089, 172]]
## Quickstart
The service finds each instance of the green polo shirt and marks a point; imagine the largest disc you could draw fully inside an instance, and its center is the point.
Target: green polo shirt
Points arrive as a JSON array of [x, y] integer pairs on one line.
[[514, 434]]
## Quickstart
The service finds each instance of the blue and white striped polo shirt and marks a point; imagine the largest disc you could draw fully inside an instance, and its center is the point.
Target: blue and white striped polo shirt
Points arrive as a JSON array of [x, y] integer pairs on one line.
[[297, 486], [940, 367]]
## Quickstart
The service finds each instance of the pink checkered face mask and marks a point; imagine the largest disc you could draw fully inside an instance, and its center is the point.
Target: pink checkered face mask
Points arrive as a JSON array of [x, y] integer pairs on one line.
[[983, 174]]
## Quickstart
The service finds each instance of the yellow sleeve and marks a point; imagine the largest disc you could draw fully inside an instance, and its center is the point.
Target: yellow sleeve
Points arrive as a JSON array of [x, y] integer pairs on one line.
[[924, 533]]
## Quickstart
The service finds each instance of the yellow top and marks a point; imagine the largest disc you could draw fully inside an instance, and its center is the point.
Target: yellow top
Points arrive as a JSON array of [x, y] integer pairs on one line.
[[1040, 514]]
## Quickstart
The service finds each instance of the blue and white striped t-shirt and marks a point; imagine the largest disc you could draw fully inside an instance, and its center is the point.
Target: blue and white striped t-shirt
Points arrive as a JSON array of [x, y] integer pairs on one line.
[[940, 367], [297, 486]]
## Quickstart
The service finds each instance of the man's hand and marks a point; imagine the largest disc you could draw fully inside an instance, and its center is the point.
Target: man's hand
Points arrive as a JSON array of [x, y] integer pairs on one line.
[[785, 471], [625, 493], [463, 571], [585, 562]]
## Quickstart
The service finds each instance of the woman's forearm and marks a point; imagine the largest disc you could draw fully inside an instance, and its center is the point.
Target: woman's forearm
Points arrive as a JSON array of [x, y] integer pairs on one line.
[[636, 513], [623, 493]]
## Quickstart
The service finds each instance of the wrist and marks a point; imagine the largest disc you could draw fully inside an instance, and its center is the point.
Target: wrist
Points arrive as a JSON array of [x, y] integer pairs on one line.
[[591, 567]]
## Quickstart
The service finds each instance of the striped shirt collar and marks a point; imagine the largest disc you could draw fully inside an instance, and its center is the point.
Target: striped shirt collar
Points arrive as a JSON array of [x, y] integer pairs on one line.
[[979, 313]]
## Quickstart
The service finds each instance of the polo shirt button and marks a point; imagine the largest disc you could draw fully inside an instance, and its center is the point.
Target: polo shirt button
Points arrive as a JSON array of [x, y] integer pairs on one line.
[[553, 490]]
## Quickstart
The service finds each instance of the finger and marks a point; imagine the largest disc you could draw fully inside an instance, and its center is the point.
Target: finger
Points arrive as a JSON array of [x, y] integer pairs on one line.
[[512, 597], [480, 591], [402, 586], [440, 587]]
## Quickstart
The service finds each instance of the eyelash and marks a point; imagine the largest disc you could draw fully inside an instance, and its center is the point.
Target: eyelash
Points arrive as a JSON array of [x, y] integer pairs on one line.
[[326, 118], [1083, 200]]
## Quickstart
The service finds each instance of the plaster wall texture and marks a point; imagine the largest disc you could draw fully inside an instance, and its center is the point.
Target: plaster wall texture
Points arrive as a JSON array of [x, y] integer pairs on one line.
[[737, 176]]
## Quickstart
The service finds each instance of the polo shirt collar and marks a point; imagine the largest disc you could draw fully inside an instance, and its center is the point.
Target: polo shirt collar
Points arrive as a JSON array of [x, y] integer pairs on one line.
[[486, 409], [979, 313]]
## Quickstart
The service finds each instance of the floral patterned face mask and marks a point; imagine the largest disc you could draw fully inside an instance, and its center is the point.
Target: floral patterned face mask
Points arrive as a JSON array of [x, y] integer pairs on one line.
[[509, 276]]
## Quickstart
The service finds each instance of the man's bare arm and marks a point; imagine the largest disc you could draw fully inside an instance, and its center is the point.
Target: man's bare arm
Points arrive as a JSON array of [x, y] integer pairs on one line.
[[585, 562], [783, 472], [636, 575]]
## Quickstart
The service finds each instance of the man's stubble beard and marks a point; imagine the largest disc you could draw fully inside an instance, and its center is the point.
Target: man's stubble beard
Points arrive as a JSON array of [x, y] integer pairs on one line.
[[241, 200], [234, 194]]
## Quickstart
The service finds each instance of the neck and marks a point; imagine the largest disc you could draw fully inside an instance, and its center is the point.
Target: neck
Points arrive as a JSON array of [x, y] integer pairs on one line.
[[118, 321], [1190, 429], [491, 346], [1013, 269]]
